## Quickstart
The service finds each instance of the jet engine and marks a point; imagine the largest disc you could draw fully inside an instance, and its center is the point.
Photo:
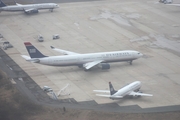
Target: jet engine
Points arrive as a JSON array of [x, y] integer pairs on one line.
[[32, 11], [105, 66]]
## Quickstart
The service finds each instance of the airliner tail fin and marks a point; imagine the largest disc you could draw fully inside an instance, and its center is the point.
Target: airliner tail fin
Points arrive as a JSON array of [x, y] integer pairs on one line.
[[111, 88], [33, 52]]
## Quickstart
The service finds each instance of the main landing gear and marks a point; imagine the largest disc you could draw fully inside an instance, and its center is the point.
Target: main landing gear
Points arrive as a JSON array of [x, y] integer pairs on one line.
[[130, 62], [51, 10]]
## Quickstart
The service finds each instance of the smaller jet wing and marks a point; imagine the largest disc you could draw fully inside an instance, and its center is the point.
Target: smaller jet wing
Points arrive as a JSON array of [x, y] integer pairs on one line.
[[91, 64], [109, 96], [103, 91], [65, 52], [140, 94]]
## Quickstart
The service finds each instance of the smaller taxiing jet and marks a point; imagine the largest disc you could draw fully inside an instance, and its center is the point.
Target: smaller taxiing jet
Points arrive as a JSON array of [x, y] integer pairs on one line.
[[131, 89], [86, 61], [28, 8]]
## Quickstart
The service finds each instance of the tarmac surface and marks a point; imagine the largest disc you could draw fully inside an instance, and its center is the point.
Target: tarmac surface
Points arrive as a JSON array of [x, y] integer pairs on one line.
[[85, 27]]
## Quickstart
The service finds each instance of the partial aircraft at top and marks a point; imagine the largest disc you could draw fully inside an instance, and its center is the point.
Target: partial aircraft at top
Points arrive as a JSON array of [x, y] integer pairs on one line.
[[28, 8]]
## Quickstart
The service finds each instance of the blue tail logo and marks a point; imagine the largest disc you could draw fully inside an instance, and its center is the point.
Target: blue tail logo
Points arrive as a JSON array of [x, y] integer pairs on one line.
[[2, 4], [111, 88], [33, 52]]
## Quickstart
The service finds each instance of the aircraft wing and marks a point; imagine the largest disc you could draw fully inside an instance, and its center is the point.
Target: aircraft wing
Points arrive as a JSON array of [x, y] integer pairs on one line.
[[103, 91], [91, 64], [140, 94], [65, 52], [30, 10], [109, 96]]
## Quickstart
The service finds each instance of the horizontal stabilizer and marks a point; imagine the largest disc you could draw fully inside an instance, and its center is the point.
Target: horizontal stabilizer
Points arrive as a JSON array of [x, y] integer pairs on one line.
[[103, 95], [27, 58], [174, 4], [103, 91]]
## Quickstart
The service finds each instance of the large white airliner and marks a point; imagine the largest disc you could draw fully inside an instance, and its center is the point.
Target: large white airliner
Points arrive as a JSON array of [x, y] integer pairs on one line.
[[86, 61], [128, 90], [29, 8]]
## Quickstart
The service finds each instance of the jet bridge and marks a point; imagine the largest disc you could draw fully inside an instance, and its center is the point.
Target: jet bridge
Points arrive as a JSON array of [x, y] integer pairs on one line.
[[63, 92]]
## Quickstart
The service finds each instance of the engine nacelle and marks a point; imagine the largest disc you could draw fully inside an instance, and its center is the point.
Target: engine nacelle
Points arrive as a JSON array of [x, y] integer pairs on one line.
[[32, 11], [105, 66]]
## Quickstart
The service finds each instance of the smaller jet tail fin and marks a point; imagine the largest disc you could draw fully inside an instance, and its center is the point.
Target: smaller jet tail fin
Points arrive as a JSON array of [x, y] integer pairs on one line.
[[33, 52], [2, 4], [111, 88]]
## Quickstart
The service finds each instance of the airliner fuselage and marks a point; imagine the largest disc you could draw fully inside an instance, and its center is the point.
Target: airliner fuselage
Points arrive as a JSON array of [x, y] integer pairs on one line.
[[80, 59], [30, 6], [86, 61]]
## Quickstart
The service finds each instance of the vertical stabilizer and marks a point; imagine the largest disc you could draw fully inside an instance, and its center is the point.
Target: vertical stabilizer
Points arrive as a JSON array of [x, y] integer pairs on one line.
[[2, 4], [33, 52], [111, 88]]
